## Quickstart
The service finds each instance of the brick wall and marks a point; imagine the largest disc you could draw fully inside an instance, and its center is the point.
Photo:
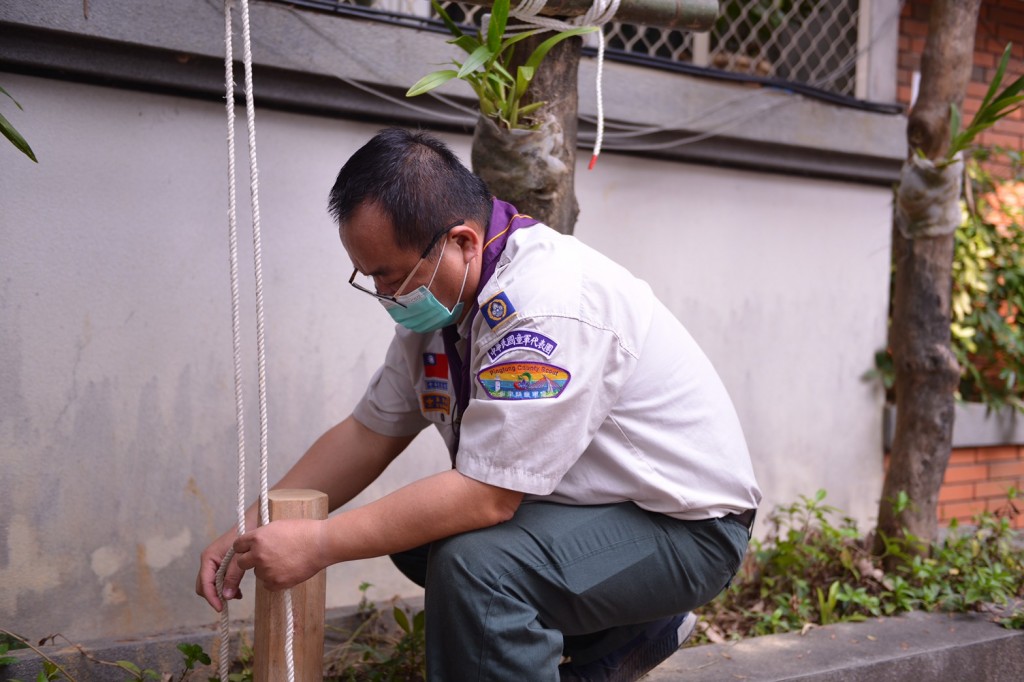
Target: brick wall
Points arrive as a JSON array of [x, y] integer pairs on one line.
[[977, 480], [999, 22]]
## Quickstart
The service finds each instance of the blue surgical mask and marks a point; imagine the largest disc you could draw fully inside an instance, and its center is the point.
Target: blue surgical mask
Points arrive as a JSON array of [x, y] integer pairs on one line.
[[422, 312]]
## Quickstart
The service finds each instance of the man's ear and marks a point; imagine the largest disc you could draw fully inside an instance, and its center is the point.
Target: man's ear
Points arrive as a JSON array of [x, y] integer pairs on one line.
[[469, 239]]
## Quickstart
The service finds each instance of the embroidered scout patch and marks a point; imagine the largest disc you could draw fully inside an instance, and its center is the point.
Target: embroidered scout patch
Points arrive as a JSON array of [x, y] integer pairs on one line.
[[435, 365], [498, 310], [436, 402], [522, 339], [523, 380]]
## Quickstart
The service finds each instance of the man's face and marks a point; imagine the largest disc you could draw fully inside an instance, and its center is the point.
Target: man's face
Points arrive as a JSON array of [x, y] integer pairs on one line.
[[369, 239]]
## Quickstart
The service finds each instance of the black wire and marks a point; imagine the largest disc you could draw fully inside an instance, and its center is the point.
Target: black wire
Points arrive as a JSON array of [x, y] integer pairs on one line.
[[778, 83], [437, 26]]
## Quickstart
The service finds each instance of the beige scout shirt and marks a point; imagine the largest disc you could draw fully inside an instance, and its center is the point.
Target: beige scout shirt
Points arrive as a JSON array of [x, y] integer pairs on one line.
[[585, 390]]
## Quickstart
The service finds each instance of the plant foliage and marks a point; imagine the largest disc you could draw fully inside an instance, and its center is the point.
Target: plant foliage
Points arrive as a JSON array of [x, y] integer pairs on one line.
[[996, 105], [811, 571], [488, 66], [380, 649], [11, 133], [988, 290], [986, 333], [51, 671]]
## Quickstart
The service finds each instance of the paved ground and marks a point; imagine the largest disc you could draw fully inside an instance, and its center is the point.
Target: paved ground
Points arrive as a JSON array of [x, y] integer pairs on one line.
[[921, 647], [916, 646]]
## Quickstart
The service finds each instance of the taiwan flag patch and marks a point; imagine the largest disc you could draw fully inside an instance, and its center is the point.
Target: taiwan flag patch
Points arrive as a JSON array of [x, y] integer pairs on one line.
[[435, 365]]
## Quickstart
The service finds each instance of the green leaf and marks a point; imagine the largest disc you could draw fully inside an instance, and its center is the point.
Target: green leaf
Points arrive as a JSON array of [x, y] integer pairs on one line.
[[542, 50], [402, 620], [954, 121], [449, 24], [518, 37], [478, 58], [997, 78], [12, 98], [530, 108], [16, 139], [431, 81], [130, 667], [496, 26], [501, 75], [468, 43], [1004, 105], [524, 76]]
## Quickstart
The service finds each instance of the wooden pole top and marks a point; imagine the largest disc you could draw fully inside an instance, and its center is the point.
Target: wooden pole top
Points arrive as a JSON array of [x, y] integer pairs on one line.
[[295, 495]]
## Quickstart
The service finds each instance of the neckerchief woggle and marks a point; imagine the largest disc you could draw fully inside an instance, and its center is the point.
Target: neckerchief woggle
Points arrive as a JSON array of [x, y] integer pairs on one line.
[[504, 221]]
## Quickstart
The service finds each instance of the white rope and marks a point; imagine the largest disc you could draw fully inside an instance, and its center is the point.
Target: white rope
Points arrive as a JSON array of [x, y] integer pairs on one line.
[[250, 110], [600, 12], [229, 87]]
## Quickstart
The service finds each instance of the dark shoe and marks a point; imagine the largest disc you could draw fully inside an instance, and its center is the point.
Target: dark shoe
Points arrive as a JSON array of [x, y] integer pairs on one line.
[[631, 661]]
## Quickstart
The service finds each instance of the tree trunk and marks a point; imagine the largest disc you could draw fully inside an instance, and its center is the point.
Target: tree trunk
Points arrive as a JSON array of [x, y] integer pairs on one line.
[[926, 369], [534, 170]]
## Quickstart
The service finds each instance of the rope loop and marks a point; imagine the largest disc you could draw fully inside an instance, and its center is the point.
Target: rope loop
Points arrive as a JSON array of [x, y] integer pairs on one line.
[[250, 110]]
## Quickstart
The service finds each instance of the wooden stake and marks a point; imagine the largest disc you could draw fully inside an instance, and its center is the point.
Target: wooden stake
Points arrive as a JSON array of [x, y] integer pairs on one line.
[[270, 663]]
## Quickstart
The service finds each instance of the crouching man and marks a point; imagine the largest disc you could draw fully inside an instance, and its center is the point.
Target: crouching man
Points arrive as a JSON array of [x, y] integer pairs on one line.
[[600, 486]]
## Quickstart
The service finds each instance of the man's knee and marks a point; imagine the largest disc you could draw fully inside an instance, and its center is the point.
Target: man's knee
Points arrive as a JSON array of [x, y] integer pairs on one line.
[[478, 559]]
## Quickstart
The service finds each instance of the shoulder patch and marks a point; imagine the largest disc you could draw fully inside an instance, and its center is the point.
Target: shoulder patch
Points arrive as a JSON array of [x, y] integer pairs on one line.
[[436, 402], [522, 339], [498, 310], [523, 380]]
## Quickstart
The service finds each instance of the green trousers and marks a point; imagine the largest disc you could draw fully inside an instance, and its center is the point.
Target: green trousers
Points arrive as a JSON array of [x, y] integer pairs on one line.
[[507, 602]]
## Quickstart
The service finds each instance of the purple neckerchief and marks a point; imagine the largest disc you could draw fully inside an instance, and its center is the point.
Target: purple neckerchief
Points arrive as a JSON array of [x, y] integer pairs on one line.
[[504, 221]]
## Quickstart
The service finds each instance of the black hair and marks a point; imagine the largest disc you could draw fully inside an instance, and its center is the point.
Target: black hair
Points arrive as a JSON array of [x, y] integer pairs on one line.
[[414, 179]]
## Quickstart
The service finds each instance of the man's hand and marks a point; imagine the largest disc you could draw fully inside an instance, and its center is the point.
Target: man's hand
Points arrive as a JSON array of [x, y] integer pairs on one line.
[[209, 562], [282, 553]]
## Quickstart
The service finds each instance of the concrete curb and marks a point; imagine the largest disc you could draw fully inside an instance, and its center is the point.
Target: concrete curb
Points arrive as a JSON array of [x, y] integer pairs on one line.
[[936, 647], [927, 646]]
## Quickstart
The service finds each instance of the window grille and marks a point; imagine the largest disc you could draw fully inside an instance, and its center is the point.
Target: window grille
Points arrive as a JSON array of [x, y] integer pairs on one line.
[[810, 42]]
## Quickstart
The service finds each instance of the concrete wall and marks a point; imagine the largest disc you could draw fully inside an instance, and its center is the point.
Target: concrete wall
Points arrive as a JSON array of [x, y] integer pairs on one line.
[[116, 401], [116, 408]]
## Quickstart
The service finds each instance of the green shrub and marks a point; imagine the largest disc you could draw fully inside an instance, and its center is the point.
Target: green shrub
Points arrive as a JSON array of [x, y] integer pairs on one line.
[[988, 288], [986, 333], [810, 570], [988, 262]]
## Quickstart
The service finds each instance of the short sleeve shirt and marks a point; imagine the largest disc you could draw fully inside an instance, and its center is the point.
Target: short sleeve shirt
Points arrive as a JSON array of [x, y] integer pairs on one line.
[[585, 390]]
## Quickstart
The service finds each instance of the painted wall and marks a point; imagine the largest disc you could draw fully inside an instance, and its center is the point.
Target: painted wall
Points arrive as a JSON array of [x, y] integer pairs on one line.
[[116, 408]]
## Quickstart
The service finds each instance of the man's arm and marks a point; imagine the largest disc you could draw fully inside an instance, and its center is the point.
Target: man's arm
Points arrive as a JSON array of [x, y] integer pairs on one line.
[[285, 553], [341, 463]]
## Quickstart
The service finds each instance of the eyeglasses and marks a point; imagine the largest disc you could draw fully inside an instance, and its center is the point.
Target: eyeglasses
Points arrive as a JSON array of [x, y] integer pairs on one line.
[[423, 256]]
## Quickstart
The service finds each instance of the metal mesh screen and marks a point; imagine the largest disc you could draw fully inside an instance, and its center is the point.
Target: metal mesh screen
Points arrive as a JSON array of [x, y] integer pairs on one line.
[[805, 41], [812, 42]]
